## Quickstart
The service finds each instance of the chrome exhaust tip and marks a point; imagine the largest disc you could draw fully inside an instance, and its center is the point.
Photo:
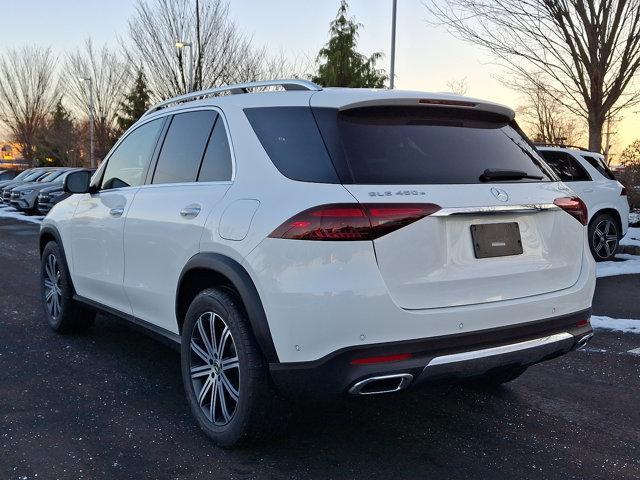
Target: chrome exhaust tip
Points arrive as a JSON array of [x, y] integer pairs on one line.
[[382, 384], [583, 341]]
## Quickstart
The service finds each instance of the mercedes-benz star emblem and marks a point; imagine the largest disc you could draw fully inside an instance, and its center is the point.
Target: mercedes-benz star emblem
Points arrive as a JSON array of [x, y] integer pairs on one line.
[[500, 194]]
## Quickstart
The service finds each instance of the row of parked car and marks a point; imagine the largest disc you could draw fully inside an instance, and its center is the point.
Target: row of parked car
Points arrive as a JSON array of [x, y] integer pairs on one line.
[[35, 190]]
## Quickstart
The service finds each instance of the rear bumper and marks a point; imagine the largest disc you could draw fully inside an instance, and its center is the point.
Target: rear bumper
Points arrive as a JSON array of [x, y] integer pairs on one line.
[[438, 359]]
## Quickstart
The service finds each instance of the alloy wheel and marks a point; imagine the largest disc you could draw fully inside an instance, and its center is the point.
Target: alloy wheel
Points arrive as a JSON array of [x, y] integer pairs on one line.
[[52, 289], [605, 238], [214, 368]]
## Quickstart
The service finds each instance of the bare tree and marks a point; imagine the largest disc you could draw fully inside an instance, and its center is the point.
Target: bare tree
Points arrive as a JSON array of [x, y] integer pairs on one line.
[[222, 54], [110, 79], [28, 90], [543, 115], [590, 50], [459, 86]]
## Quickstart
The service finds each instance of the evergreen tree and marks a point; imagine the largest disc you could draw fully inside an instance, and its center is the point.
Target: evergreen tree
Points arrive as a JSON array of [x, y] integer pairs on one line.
[[135, 103], [340, 64], [57, 141]]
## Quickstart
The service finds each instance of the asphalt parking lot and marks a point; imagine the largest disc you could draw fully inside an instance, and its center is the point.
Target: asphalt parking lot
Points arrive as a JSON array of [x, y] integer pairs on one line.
[[109, 404]]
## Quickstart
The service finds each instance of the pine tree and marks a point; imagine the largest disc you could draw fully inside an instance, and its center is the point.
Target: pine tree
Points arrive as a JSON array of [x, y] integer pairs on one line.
[[135, 103], [57, 140], [340, 64]]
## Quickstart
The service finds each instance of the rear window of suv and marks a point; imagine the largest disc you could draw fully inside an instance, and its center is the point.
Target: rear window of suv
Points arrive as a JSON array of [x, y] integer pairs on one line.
[[600, 166], [393, 145]]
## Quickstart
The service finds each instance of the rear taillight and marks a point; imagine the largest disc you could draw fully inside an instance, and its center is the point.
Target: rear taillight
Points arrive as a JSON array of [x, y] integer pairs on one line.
[[623, 192], [352, 221], [574, 207]]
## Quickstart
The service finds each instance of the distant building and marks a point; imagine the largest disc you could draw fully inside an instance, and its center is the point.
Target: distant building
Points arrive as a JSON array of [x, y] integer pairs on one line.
[[10, 156]]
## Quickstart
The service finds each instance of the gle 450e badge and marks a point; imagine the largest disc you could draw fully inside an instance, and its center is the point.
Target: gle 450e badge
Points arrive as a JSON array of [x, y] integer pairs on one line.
[[390, 193]]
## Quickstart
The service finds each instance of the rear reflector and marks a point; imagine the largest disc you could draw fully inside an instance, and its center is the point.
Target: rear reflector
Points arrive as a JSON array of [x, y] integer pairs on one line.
[[574, 207], [383, 359], [352, 221], [582, 323]]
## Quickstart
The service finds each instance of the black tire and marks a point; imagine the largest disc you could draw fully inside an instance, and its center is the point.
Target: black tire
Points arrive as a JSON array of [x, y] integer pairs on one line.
[[70, 316], [604, 237], [250, 419]]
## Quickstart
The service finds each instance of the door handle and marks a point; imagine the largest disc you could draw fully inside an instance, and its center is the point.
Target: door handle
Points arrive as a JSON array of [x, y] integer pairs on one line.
[[116, 212], [190, 211]]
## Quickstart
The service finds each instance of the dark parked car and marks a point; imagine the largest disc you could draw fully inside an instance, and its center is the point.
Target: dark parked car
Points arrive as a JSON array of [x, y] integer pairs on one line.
[[53, 194], [31, 176], [25, 196]]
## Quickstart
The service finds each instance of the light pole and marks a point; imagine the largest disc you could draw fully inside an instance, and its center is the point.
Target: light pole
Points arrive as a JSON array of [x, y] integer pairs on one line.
[[393, 44], [89, 80], [181, 45]]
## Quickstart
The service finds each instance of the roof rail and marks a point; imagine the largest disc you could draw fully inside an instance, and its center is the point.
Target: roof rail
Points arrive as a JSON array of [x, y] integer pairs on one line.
[[292, 84], [563, 145]]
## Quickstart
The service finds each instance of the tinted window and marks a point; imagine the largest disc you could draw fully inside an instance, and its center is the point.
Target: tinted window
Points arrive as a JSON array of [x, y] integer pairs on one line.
[[183, 147], [216, 165], [291, 138], [423, 145], [567, 167], [24, 174], [33, 176], [127, 164], [51, 176], [7, 175], [599, 165]]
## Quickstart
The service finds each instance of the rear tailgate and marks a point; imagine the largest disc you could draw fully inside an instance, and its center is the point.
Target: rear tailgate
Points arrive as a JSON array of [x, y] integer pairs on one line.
[[477, 166], [433, 263]]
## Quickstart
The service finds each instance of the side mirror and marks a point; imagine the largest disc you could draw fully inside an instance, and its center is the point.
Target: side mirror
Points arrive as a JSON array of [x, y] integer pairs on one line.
[[77, 182]]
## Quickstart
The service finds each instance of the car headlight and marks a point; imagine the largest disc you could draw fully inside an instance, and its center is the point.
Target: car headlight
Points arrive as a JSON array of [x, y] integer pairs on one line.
[[56, 194], [24, 193]]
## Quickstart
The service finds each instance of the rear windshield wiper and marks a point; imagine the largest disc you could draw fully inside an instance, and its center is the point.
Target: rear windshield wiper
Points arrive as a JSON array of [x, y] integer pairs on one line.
[[498, 174]]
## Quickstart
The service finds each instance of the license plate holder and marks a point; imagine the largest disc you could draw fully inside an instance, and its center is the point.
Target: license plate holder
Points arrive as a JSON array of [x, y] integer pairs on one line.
[[496, 240]]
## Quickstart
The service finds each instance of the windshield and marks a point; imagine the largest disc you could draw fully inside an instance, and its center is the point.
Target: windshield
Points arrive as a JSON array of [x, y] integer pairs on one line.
[[50, 176], [33, 176], [23, 174]]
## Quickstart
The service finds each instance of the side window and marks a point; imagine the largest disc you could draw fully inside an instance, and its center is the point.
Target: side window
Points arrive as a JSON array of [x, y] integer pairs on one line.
[[183, 147], [216, 165], [600, 166], [567, 167], [126, 165]]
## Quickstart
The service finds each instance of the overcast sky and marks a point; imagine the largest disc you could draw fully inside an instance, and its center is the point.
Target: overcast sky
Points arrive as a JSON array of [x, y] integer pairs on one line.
[[426, 56]]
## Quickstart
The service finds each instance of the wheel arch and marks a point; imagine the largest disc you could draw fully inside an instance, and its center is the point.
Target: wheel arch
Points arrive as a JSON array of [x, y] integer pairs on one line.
[[612, 212], [206, 270], [49, 233]]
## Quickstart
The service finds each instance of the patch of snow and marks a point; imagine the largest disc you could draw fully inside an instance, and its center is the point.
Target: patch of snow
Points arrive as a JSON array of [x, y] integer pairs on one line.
[[634, 217], [632, 237], [630, 266], [9, 212], [616, 324]]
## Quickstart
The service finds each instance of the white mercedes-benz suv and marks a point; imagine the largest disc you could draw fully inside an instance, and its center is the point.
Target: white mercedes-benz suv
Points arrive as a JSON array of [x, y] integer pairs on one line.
[[299, 240], [605, 197]]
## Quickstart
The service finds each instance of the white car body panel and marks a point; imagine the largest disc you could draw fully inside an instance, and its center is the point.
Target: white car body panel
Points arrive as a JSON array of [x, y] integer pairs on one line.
[[97, 246], [159, 241], [324, 296]]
